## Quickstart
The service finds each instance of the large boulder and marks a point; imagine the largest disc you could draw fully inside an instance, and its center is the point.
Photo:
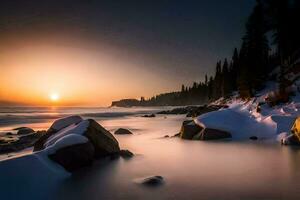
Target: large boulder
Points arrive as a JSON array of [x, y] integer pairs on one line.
[[212, 134], [189, 129], [123, 131]]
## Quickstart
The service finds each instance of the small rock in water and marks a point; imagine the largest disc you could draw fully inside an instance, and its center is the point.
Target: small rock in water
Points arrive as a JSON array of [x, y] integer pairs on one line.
[[126, 154], [253, 138], [123, 131], [9, 133], [166, 136], [152, 115], [151, 180]]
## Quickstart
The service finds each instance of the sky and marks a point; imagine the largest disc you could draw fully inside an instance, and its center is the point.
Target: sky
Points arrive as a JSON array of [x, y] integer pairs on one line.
[[89, 53]]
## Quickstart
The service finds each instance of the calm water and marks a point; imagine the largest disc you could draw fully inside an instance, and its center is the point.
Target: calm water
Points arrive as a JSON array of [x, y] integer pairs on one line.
[[191, 169]]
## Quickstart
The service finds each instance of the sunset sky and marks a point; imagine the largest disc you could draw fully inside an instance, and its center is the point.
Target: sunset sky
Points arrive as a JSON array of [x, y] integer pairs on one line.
[[73, 53]]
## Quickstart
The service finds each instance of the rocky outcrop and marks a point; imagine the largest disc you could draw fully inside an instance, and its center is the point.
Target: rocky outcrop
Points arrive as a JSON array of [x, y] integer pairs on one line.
[[126, 103], [123, 131], [193, 111]]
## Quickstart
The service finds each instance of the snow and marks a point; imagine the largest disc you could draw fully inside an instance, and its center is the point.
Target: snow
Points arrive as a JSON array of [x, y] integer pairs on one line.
[[64, 122], [30, 175], [78, 129], [68, 140], [242, 120]]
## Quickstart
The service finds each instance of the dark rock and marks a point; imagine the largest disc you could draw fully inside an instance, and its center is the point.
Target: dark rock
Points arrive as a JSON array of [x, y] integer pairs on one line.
[[151, 181], [103, 141], [193, 111], [291, 140], [212, 134], [123, 131], [253, 138], [19, 128], [166, 136], [75, 156], [152, 115], [39, 144], [20, 143], [176, 135], [9, 133], [189, 129], [24, 130], [126, 154]]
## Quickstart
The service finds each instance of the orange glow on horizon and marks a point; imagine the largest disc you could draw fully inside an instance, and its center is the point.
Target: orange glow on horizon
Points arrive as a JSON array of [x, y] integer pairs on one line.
[[45, 75]]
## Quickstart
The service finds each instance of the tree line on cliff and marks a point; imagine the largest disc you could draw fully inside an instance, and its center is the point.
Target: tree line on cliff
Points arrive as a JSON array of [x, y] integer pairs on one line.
[[272, 38]]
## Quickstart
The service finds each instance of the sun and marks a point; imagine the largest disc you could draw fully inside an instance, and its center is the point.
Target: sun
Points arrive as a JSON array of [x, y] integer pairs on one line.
[[54, 96]]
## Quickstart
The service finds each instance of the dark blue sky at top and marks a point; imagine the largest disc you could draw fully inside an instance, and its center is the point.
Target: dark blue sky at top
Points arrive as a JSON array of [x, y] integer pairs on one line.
[[183, 38]]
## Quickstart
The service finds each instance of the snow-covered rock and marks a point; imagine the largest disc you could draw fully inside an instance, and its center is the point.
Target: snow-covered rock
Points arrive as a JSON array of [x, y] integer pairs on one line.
[[77, 129], [243, 119], [72, 151], [64, 122], [66, 141], [77, 144]]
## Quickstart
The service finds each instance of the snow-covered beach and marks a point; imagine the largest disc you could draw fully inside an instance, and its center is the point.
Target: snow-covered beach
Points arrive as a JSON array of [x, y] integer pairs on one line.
[[236, 169]]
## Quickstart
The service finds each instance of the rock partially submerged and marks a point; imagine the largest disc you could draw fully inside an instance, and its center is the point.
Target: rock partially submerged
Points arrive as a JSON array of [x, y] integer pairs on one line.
[[150, 181], [212, 134], [149, 116], [126, 154], [24, 130], [189, 129], [123, 131], [79, 143]]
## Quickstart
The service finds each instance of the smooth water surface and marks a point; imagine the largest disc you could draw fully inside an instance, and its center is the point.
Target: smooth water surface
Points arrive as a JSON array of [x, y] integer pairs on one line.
[[191, 169]]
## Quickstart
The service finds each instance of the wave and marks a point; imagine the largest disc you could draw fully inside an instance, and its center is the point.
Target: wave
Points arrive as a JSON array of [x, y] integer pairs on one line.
[[40, 115]]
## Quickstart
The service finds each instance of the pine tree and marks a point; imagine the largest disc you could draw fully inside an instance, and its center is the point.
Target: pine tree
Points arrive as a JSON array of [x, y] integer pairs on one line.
[[256, 47], [225, 86]]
